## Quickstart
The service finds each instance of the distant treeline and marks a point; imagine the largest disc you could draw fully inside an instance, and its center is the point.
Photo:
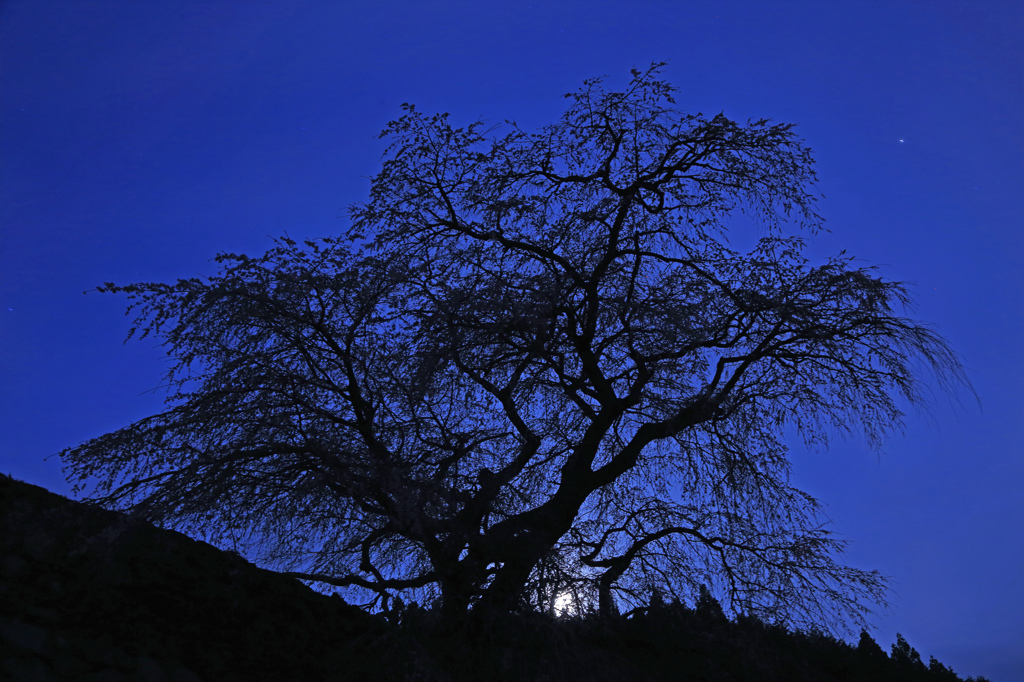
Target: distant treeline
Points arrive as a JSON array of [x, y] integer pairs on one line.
[[87, 593], [667, 641]]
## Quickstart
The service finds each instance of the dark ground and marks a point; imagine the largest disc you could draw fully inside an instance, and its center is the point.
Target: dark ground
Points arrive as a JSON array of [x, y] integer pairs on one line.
[[90, 594]]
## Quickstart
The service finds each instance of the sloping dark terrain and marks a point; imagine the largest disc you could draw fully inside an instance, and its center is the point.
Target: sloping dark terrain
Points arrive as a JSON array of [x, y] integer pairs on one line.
[[87, 593], [94, 595]]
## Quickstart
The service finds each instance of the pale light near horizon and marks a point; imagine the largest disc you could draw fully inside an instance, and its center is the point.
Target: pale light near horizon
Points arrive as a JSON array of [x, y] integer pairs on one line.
[[563, 604]]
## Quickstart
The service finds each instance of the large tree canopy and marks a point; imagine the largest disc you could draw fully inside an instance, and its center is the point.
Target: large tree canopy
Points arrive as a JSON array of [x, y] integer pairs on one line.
[[533, 367]]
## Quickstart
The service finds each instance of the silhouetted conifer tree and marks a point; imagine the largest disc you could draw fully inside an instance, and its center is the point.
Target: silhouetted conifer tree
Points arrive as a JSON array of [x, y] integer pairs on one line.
[[708, 607]]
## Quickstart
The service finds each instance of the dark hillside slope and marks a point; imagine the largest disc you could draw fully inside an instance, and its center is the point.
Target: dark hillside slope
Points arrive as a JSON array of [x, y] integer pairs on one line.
[[93, 595], [85, 591]]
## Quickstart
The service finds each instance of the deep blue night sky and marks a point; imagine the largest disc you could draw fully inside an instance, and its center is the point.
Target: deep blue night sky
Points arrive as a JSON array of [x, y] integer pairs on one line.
[[138, 139]]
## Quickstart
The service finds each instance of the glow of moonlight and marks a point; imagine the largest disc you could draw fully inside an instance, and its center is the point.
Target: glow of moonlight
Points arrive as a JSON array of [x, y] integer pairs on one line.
[[563, 604]]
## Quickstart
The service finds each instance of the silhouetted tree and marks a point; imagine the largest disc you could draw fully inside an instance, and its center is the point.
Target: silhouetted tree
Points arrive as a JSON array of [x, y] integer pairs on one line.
[[707, 607], [533, 356], [906, 661], [938, 671], [871, 662], [868, 648], [905, 654]]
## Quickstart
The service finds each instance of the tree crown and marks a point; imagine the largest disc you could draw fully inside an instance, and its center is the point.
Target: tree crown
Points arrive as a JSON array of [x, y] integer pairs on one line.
[[533, 367]]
